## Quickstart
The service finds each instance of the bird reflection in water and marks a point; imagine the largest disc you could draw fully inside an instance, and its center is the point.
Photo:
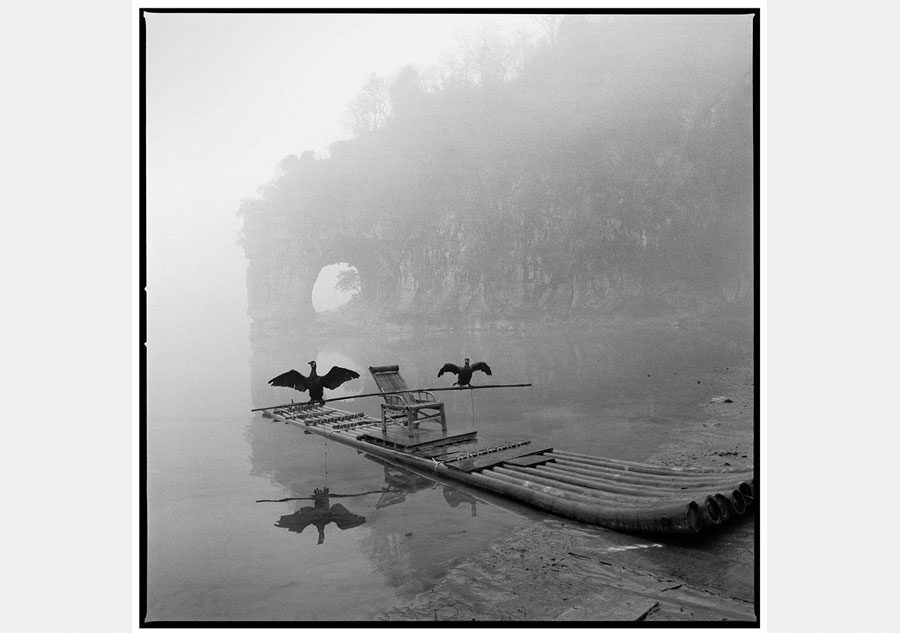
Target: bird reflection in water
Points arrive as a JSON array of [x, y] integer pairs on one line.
[[320, 514], [400, 483]]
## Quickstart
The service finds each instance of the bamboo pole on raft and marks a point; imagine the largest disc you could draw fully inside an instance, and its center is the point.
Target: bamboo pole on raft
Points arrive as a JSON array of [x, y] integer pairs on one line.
[[393, 393]]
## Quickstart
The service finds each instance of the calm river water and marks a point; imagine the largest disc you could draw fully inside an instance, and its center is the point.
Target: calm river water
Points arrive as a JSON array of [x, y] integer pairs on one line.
[[215, 552]]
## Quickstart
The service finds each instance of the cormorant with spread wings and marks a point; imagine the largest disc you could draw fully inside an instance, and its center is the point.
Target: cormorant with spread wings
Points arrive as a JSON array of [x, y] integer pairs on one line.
[[316, 384], [464, 373]]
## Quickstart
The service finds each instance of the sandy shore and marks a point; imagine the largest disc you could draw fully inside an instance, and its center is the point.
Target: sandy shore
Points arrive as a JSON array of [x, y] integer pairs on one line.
[[560, 571]]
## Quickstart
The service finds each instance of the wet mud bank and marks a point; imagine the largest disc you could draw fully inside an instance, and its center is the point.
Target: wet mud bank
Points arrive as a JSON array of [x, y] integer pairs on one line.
[[557, 571]]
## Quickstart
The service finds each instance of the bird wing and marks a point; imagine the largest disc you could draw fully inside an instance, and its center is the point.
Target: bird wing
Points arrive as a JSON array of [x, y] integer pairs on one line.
[[345, 519], [337, 376], [292, 379], [479, 366], [453, 369]]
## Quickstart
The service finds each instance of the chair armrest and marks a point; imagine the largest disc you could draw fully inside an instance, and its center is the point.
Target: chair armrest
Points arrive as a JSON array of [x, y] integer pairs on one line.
[[426, 396], [414, 407]]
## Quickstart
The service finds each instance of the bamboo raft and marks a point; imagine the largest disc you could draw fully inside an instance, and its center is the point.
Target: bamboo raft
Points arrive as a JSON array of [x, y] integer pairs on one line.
[[616, 494]]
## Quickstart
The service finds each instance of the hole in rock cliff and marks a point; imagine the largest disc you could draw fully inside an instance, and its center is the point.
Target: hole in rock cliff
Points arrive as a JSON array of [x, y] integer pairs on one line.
[[336, 285]]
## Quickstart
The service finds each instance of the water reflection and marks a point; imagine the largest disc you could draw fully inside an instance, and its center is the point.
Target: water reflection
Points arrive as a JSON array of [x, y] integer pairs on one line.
[[320, 514], [456, 497], [402, 482], [605, 391]]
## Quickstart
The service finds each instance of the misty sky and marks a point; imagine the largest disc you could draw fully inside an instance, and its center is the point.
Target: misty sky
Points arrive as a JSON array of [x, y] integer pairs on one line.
[[228, 96]]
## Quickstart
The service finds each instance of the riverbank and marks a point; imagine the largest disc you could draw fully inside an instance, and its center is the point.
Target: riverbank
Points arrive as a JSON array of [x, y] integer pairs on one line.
[[562, 571]]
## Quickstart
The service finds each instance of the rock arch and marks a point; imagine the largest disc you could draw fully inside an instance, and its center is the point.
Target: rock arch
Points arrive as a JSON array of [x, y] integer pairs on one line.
[[281, 277]]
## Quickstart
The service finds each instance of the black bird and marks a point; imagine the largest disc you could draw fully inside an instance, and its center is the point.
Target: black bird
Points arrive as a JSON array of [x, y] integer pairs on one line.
[[464, 373], [316, 384], [320, 514]]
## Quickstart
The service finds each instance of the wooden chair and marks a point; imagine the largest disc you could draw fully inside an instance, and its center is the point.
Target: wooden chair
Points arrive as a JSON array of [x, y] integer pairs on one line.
[[411, 408]]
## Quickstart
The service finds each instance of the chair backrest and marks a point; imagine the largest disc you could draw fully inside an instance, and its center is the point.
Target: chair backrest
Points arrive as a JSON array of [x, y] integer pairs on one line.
[[388, 378]]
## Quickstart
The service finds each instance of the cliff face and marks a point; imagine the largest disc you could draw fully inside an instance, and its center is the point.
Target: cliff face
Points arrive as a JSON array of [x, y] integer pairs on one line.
[[596, 180]]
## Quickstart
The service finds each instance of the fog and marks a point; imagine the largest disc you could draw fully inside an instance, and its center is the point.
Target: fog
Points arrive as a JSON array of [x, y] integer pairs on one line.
[[228, 97], [568, 199]]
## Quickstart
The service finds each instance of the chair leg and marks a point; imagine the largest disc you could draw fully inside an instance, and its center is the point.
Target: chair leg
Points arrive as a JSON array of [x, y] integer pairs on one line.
[[443, 418], [410, 416]]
